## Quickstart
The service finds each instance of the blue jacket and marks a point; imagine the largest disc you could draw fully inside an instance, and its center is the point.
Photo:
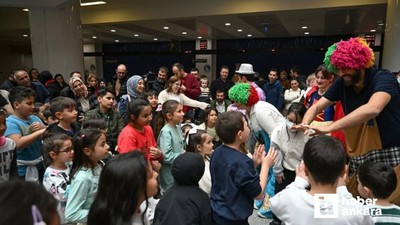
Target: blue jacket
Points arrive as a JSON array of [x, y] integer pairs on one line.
[[274, 94]]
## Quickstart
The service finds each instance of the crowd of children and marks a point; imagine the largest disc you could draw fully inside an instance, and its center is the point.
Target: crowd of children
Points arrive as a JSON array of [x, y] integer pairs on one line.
[[149, 167]]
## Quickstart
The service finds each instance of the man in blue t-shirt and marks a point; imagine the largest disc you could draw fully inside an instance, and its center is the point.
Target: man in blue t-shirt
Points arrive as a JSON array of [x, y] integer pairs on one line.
[[26, 130], [371, 103]]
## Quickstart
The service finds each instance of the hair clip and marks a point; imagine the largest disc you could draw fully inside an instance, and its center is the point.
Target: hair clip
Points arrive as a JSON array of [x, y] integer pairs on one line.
[[159, 108], [192, 130], [83, 135]]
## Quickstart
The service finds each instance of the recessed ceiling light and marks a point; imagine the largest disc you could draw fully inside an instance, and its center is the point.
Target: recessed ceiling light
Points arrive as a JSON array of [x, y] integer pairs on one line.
[[249, 35], [306, 33], [25, 10], [113, 31], [304, 27], [372, 30], [184, 32], [381, 24], [156, 39], [25, 35], [94, 37], [93, 3], [199, 37], [136, 35], [273, 49], [227, 24], [166, 28], [116, 40], [239, 30]]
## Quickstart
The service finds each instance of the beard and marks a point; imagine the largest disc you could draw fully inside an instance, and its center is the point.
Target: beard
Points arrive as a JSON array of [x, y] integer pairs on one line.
[[350, 80]]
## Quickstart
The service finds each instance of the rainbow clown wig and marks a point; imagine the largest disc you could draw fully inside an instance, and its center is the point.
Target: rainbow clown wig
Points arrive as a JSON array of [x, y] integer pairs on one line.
[[244, 93], [352, 54]]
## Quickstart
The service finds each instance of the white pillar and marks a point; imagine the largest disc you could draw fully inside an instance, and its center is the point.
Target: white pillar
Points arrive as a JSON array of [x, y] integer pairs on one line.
[[56, 38], [391, 48]]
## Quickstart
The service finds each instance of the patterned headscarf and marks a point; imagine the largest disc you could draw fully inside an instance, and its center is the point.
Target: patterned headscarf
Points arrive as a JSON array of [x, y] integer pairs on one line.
[[352, 54], [71, 86], [244, 93], [132, 84]]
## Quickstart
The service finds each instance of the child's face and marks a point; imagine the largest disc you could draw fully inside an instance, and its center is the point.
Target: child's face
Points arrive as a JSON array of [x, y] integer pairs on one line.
[[68, 115], [212, 117], [107, 101], [152, 184], [102, 84], [3, 125], [291, 118], [153, 101], [25, 107], [204, 83], [65, 154], [144, 117], [207, 145], [50, 120], [100, 149], [177, 116]]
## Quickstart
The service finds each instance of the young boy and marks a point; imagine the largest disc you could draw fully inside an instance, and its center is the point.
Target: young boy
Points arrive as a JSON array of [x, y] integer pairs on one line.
[[325, 170], [26, 130], [377, 181], [235, 181], [48, 117], [185, 203], [105, 111], [64, 110], [152, 96]]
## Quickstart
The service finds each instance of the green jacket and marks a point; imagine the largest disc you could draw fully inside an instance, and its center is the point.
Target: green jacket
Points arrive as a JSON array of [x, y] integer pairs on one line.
[[114, 124]]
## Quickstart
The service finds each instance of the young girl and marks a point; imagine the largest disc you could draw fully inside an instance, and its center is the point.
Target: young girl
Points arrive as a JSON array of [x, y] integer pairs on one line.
[[137, 134], [58, 152], [289, 144], [127, 184], [90, 147], [201, 142], [170, 139], [8, 162], [208, 124]]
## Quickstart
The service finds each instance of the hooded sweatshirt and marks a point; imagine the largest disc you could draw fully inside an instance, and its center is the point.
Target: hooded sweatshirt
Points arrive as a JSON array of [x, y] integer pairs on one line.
[[185, 203]]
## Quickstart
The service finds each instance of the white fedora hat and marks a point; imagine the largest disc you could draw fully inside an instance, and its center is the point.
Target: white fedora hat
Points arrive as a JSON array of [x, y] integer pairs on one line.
[[245, 68]]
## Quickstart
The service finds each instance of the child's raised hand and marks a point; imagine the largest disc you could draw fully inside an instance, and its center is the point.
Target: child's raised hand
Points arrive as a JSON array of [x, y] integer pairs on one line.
[[155, 153], [270, 158], [258, 155]]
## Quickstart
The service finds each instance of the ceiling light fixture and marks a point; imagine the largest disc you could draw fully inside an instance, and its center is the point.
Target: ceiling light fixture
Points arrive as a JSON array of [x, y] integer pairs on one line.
[[184, 32], [94, 37], [304, 27], [239, 30], [199, 37], [25, 35], [373, 30], [93, 3], [113, 31], [136, 35], [306, 33], [249, 35], [156, 39], [116, 40], [25, 10], [227, 24], [166, 28]]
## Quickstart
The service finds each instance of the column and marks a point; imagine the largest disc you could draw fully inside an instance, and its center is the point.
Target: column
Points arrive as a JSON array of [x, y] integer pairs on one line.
[[391, 48], [56, 38]]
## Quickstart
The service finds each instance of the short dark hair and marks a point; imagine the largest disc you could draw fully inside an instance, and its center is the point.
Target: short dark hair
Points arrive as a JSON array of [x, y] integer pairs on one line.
[[274, 70], [324, 152], [150, 92], [224, 67], [228, 125], [219, 91], [379, 178], [60, 103], [72, 73], [20, 93], [249, 77], [295, 69], [163, 68], [179, 66], [103, 91], [47, 113], [194, 69]]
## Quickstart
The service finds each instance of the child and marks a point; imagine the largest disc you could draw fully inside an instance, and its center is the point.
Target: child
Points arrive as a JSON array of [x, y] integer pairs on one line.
[[26, 130], [48, 117], [289, 145], [27, 203], [185, 203], [200, 141], [170, 139], [38, 110], [127, 184], [152, 96], [112, 119], [58, 152], [208, 124], [137, 134], [235, 181], [90, 147], [325, 171], [378, 181], [64, 110], [7, 151], [205, 91]]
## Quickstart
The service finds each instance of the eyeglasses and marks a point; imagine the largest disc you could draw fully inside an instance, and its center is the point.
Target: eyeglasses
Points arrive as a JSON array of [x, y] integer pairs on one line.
[[67, 149]]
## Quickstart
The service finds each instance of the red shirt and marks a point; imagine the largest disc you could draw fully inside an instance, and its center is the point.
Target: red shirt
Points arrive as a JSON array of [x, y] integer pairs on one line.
[[131, 139]]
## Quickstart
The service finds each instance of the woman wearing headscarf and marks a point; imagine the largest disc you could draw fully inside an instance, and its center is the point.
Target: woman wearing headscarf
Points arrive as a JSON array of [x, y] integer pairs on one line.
[[85, 101], [135, 87]]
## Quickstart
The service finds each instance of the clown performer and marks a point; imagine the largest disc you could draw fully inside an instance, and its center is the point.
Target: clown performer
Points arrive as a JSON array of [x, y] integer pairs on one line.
[[262, 119], [371, 103]]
